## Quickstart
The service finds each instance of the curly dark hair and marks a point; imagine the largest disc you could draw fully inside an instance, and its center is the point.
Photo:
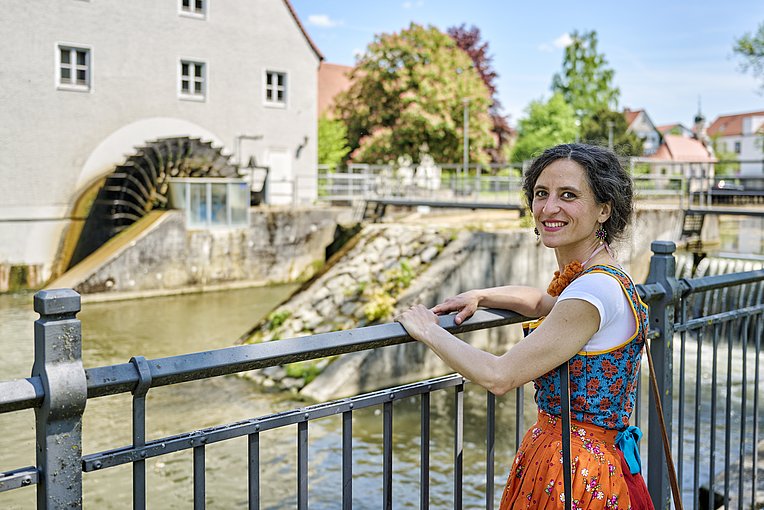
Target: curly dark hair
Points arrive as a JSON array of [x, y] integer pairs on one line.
[[606, 177]]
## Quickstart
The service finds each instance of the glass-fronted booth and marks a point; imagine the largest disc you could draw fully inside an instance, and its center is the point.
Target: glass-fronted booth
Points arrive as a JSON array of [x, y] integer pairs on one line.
[[211, 202]]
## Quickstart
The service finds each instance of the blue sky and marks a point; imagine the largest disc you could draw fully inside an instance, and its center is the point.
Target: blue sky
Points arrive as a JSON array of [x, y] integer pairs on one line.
[[666, 54]]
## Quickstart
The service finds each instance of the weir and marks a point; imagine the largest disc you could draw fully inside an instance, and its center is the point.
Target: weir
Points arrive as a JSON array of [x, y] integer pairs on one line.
[[728, 328]]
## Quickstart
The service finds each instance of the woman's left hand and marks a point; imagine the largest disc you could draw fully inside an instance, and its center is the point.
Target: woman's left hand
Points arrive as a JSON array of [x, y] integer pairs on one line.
[[416, 321]]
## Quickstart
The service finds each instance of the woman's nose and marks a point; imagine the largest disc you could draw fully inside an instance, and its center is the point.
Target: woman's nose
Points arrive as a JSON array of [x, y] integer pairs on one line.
[[550, 205]]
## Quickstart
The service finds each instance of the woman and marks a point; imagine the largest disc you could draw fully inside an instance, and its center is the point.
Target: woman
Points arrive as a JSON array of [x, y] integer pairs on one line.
[[592, 317]]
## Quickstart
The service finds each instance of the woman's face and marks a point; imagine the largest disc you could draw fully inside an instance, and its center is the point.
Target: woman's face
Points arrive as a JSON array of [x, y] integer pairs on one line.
[[564, 207]]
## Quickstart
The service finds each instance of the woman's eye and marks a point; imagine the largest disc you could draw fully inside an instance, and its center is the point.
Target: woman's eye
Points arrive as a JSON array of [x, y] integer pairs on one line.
[[568, 195], [540, 193]]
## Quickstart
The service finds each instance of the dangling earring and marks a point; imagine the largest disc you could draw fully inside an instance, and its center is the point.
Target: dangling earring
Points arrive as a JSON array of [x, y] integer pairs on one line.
[[538, 235], [601, 233]]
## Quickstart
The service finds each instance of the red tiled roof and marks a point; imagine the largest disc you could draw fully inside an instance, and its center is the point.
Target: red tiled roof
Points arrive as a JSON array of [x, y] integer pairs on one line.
[[682, 148], [730, 125], [304, 32], [631, 115], [332, 79]]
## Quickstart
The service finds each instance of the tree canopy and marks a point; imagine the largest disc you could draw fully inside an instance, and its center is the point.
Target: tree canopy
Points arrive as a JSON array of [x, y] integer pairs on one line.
[[407, 98], [751, 48], [548, 123], [586, 82], [470, 41], [332, 141], [595, 129]]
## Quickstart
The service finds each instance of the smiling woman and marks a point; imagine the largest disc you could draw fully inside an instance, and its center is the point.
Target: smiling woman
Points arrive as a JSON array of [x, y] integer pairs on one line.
[[591, 318]]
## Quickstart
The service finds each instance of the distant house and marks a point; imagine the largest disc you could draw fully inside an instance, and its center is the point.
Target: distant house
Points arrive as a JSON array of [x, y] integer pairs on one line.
[[743, 135], [679, 155], [94, 84], [639, 123], [332, 79], [675, 129]]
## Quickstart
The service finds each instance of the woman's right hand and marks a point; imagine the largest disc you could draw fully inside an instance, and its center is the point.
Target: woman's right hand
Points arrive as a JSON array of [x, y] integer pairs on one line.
[[464, 304]]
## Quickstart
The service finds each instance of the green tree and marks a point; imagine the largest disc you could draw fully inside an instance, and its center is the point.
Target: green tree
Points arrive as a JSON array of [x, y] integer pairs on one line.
[[751, 48], [332, 141], [595, 129], [548, 123], [586, 82], [407, 98], [727, 164]]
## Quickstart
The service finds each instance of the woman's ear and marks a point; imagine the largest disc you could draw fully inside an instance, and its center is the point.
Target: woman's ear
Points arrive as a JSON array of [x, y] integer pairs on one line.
[[605, 210]]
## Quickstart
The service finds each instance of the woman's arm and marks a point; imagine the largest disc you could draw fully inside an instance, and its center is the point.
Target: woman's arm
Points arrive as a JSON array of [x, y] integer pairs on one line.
[[564, 332], [528, 301]]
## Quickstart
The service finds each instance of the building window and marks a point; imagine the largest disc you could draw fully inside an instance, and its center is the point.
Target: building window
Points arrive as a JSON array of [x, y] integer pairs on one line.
[[737, 147], [195, 8], [193, 79], [74, 68], [275, 88]]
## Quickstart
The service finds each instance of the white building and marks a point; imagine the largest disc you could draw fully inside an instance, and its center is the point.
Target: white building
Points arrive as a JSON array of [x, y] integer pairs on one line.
[[639, 123], [743, 135], [86, 82]]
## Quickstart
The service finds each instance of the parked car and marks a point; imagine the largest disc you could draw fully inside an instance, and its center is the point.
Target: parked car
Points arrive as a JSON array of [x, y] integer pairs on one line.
[[728, 185]]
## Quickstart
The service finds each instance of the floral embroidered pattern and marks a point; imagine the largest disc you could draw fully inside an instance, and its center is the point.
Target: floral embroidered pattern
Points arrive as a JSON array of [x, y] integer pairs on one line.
[[602, 385]]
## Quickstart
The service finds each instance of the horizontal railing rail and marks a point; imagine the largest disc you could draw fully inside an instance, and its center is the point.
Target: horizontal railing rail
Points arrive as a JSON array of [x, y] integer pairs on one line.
[[123, 378]]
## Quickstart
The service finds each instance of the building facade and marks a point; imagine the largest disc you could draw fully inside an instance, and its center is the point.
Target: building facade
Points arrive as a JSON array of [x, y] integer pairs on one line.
[[87, 82], [639, 123], [743, 135]]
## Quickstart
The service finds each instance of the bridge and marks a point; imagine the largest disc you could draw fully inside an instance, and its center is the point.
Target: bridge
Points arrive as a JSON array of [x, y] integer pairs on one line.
[[715, 317], [372, 188]]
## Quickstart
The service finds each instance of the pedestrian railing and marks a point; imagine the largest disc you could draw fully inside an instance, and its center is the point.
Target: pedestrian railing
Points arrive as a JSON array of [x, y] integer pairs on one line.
[[719, 316]]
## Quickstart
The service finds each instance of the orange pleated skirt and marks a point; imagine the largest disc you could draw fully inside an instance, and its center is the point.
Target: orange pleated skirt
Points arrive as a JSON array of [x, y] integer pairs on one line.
[[536, 480]]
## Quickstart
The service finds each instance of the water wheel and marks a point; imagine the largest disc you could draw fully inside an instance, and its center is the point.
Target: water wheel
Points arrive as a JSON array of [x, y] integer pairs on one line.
[[141, 184]]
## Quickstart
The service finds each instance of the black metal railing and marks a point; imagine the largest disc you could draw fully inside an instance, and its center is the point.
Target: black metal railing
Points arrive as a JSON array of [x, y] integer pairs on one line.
[[726, 308]]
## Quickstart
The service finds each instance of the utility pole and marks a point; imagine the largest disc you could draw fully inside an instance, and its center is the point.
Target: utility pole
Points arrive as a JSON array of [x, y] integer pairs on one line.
[[610, 134], [466, 134]]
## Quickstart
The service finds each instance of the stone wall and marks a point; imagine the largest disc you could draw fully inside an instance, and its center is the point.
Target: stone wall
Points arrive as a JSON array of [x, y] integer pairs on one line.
[[280, 245], [471, 259]]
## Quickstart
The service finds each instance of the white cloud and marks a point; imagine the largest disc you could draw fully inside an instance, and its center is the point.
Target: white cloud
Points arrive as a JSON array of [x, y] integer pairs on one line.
[[322, 20], [411, 5], [561, 42]]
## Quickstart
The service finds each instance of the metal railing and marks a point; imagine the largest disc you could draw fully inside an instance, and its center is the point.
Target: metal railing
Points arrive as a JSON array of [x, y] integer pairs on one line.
[[674, 182], [727, 309]]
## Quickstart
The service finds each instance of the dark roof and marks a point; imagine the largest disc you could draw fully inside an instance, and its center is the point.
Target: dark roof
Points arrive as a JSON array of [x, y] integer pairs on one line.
[[304, 32]]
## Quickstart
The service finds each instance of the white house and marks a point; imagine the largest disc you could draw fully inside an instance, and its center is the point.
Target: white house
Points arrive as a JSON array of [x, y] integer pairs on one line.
[[743, 135], [639, 123], [86, 82]]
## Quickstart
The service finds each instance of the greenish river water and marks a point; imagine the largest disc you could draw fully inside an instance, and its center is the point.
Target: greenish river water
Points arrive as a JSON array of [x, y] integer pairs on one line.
[[157, 327]]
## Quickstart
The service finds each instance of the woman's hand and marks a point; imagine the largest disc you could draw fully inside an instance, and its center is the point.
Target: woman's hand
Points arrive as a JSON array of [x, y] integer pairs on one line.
[[416, 320], [464, 304]]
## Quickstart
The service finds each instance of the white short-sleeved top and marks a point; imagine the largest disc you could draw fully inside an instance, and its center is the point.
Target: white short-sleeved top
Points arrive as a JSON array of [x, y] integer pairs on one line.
[[617, 323]]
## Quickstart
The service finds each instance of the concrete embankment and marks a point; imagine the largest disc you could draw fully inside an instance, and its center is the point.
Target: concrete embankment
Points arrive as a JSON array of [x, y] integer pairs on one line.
[[279, 245], [470, 254]]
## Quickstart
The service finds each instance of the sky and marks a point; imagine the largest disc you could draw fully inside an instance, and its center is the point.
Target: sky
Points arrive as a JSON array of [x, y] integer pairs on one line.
[[669, 56]]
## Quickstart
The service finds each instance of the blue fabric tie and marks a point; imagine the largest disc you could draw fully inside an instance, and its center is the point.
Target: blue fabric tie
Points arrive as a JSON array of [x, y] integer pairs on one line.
[[626, 441]]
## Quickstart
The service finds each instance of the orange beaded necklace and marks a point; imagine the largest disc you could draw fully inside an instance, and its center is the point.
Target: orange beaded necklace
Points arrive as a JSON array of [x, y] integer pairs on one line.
[[570, 272]]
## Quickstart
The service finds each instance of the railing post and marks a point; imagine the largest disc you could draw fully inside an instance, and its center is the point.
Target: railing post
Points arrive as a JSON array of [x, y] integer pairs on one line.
[[662, 272], [58, 364]]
